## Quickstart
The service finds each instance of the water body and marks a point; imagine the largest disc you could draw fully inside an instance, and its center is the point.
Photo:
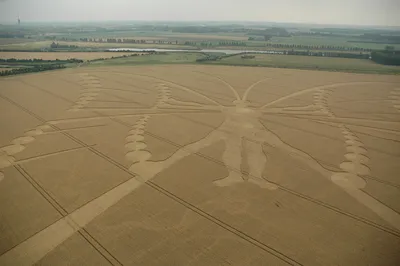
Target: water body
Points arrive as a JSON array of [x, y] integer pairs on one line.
[[194, 51]]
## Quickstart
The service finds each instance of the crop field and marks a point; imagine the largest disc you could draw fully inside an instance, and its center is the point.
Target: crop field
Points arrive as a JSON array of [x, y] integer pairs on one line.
[[61, 55], [160, 58], [199, 165], [310, 62]]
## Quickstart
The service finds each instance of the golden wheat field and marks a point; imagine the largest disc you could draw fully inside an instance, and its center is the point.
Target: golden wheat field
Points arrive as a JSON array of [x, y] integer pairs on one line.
[[199, 165], [60, 55]]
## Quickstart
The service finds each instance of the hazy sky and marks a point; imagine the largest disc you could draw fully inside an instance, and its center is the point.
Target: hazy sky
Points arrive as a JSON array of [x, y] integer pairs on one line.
[[358, 12]]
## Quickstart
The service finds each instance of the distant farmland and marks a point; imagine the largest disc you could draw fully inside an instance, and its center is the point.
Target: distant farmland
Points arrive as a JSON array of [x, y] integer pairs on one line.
[[61, 55]]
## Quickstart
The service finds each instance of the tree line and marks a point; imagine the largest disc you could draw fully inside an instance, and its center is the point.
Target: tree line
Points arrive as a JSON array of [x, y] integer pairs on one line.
[[122, 40], [231, 43], [328, 54], [39, 60], [122, 56], [39, 68], [317, 47], [213, 57], [55, 45], [209, 44]]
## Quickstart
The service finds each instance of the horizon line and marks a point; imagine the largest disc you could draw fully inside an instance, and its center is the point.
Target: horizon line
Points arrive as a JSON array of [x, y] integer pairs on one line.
[[12, 22]]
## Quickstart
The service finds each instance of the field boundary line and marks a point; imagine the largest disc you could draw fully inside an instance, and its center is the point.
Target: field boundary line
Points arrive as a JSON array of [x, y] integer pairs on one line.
[[63, 212]]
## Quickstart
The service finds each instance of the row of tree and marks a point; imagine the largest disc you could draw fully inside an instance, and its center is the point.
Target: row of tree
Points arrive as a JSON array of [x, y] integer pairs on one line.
[[190, 43], [55, 45], [122, 56], [209, 44], [231, 43], [39, 68], [213, 57], [39, 60], [121, 40], [317, 47], [328, 54], [115, 40]]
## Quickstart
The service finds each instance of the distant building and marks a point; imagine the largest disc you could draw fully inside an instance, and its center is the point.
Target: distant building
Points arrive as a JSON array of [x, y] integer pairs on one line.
[[19, 20]]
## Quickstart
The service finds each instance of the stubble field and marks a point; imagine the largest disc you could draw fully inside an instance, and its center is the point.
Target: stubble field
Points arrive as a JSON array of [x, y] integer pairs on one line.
[[199, 165]]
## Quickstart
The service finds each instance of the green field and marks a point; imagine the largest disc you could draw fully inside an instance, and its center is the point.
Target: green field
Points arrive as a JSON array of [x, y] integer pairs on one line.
[[160, 58], [260, 60], [310, 62]]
